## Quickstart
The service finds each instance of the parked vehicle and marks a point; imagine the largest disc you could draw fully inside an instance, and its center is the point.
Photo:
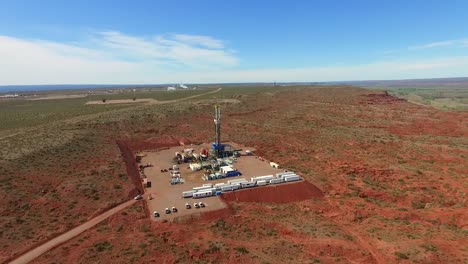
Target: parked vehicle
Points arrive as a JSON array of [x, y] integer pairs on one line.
[[138, 197], [167, 211], [201, 204], [174, 209], [196, 205], [187, 206], [155, 214]]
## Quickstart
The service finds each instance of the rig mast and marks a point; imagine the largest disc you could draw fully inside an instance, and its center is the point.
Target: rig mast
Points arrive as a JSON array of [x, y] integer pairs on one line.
[[217, 122]]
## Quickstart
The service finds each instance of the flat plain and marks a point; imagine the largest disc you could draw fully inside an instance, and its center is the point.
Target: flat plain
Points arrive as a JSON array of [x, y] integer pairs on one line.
[[393, 176]]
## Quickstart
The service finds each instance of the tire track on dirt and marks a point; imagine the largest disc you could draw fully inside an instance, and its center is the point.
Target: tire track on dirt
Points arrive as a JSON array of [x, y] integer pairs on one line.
[[55, 242]]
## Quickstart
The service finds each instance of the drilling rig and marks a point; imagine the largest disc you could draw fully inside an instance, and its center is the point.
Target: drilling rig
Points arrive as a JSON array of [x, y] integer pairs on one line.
[[216, 146]]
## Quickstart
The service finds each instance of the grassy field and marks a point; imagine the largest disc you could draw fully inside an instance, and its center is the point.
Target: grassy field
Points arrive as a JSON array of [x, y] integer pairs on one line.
[[440, 98], [25, 113]]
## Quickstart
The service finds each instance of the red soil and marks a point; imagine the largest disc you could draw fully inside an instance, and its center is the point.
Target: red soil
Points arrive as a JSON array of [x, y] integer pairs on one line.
[[383, 98], [129, 147], [283, 193]]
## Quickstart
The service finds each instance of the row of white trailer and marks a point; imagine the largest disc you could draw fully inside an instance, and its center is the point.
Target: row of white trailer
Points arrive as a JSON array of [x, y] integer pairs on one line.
[[215, 189]]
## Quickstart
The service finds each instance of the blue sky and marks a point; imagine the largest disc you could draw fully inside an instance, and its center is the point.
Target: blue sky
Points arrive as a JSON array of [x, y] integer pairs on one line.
[[119, 42]]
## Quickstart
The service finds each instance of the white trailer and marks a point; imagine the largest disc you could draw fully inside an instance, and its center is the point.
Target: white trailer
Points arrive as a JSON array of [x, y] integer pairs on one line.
[[201, 188], [187, 194], [261, 178], [236, 181], [261, 183], [288, 175], [292, 178], [278, 175], [218, 186], [227, 188], [208, 185], [247, 184], [202, 194], [275, 181], [236, 186]]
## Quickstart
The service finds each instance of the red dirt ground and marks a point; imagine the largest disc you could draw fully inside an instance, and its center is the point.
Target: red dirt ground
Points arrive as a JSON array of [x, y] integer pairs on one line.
[[282, 193], [392, 174]]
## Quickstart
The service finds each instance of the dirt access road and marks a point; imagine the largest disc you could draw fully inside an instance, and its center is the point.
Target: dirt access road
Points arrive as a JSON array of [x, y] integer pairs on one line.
[[39, 250], [148, 100], [36, 252]]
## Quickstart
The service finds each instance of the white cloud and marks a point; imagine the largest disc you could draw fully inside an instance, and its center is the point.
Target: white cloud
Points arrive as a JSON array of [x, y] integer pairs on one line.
[[115, 58], [204, 41], [435, 44], [193, 51]]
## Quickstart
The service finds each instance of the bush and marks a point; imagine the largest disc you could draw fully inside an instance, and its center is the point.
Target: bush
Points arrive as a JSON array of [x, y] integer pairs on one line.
[[401, 255], [417, 204], [242, 250], [101, 246], [429, 247]]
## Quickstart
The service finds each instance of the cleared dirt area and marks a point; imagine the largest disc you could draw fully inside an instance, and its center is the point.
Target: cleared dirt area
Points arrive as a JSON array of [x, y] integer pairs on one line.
[[57, 97], [166, 195]]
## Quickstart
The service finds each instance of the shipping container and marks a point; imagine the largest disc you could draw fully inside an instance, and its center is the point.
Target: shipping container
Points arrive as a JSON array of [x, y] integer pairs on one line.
[[261, 183], [202, 194], [187, 194]]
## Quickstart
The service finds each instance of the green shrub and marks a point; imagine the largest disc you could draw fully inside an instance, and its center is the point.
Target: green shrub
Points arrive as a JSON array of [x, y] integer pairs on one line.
[[401, 255]]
